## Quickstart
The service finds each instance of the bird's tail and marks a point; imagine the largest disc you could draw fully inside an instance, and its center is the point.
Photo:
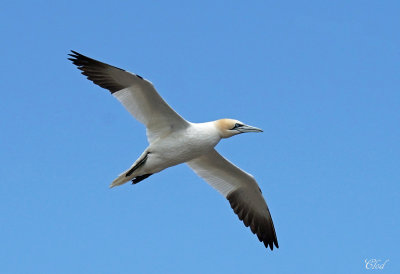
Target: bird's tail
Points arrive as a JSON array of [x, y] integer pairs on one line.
[[128, 174], [120, 180]]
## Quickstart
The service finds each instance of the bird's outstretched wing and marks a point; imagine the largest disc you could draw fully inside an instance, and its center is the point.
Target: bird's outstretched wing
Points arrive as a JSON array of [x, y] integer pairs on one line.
[[241, 190], [136, 94]]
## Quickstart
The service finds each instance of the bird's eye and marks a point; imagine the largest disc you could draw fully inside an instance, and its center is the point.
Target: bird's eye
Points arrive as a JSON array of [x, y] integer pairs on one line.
[[237, 125]]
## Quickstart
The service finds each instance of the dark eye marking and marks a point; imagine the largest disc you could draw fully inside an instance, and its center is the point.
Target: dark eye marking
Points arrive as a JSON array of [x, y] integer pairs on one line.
[[237, 125]]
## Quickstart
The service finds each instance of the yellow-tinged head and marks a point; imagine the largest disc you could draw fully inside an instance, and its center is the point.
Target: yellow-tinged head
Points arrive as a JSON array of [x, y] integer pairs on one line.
[[230, 127]]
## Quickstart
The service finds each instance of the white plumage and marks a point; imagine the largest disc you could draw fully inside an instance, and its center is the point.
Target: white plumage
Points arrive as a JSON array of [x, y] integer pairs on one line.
[[173, 140]]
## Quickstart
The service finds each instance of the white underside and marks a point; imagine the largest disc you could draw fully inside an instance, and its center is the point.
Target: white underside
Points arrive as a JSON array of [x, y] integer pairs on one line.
[[175, 148]]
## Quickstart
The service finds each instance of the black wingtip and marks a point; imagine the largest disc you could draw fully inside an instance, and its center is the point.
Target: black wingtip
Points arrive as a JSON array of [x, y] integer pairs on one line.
[[96, 71], [262, 226], [75, 53], [80, 59]]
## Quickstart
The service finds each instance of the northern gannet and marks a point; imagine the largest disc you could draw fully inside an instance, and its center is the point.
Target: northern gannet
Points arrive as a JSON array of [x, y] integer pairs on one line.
[[174, 140]]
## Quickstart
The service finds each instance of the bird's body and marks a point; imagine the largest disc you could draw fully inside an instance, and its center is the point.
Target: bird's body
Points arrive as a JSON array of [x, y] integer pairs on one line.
[[174, 140], [174, 148], [187, 144]]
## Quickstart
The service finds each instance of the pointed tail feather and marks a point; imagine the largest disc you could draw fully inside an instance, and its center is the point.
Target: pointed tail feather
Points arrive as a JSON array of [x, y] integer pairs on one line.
[[128, 174], [120, 180]]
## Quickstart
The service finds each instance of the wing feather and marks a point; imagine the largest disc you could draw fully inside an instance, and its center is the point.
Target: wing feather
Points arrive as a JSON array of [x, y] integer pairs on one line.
[[242, 192], [136, 94]]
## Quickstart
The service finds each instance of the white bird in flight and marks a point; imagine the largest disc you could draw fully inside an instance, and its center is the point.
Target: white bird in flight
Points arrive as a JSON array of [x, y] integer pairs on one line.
[[174, 140]]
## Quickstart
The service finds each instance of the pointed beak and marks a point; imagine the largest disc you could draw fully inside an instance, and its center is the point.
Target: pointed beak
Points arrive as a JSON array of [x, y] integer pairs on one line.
[[247, 128]]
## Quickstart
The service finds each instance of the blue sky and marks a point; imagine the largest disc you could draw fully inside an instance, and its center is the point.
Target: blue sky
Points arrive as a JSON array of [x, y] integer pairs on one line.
[[321, 78]]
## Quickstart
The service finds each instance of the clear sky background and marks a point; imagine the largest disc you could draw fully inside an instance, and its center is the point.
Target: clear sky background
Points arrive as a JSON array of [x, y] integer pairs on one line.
[[321, 78]]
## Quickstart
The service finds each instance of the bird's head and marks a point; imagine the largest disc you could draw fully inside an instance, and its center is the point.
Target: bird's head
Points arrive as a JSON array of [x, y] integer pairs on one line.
[[230, 127]]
